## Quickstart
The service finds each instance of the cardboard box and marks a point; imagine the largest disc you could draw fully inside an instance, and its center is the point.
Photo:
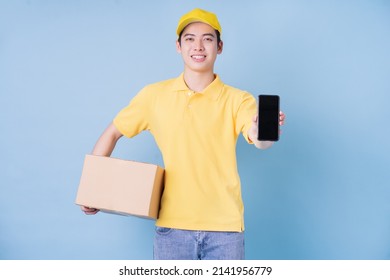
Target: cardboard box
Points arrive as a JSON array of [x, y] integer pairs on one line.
[[121, 186]]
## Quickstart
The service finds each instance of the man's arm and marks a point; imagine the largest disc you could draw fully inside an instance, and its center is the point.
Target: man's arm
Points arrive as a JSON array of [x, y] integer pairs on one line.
[[253, 131], [107, 141], [104, 147]]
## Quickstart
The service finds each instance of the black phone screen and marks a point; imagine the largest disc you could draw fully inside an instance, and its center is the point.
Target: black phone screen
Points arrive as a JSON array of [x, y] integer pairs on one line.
[[268, 118]]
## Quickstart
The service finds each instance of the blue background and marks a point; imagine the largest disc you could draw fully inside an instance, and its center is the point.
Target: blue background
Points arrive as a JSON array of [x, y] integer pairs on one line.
[[67, 67]]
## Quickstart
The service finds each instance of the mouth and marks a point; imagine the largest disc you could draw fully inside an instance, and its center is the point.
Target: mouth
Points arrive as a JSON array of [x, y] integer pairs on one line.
[[198, 58]]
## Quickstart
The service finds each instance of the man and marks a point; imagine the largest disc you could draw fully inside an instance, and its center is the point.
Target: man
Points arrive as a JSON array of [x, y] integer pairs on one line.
[[195, 120]]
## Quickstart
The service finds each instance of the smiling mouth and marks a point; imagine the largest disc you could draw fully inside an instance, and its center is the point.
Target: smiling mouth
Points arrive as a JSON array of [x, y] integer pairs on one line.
[[198, 57]]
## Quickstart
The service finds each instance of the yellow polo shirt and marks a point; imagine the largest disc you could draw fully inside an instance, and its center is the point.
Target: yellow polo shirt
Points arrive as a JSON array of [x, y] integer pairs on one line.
[[197, 134]]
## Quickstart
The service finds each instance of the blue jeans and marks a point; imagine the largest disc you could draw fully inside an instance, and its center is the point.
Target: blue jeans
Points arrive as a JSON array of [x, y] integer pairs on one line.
[[176, 244]]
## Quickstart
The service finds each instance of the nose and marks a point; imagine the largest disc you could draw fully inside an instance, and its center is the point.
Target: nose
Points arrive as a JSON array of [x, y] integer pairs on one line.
[[198, 46]]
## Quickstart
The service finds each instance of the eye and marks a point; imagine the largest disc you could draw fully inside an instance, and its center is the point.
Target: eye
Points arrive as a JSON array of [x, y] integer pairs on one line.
[[189, 39], [209, 39]]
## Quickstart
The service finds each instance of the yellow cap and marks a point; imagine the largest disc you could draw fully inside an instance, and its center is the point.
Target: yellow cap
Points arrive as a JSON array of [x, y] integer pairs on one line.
[[198, 15]]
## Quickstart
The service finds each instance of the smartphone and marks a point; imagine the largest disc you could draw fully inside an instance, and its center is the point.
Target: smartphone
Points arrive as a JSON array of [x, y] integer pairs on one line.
[[268, 118]]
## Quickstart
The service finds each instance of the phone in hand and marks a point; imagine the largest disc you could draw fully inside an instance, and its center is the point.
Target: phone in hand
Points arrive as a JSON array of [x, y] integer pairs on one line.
[[268, 118]]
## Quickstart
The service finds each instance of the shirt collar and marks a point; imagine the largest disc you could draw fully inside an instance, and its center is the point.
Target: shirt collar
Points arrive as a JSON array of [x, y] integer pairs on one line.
[[212, 91]]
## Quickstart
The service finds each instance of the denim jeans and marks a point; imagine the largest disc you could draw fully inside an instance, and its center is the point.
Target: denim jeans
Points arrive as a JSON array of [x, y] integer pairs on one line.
[[176, 244]]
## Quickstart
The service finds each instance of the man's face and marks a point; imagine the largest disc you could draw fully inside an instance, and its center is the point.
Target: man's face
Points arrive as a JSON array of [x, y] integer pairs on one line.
[[199, 47]]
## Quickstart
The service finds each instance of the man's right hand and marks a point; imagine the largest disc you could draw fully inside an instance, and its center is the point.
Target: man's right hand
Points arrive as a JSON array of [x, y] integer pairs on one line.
[[89, 211], [104, 147]]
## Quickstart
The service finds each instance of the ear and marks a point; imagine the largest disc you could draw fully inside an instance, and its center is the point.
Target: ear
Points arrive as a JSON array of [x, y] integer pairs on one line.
[[178, 47], [220, 47]]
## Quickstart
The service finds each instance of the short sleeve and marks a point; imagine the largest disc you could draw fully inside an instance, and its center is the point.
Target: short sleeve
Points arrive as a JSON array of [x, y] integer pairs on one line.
[[245, 113], [134, 118]]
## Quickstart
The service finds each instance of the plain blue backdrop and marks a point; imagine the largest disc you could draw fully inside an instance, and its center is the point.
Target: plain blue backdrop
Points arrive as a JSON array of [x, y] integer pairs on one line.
[[67, 68]]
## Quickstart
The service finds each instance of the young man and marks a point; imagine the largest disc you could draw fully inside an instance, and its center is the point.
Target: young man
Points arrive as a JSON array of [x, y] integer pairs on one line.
[[195, 120]]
